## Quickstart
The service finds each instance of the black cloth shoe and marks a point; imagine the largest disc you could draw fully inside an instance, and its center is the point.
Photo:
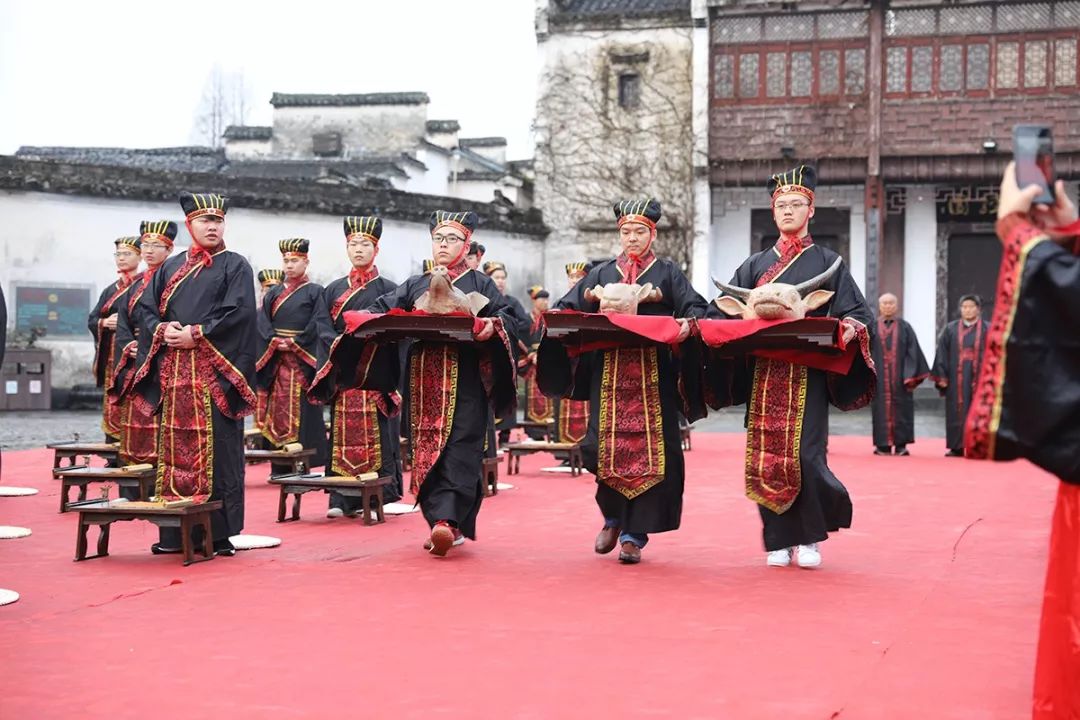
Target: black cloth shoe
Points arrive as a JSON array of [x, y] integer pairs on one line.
[[157, 549], [954, 453], [883, 450], [902, 451], [224, 548]]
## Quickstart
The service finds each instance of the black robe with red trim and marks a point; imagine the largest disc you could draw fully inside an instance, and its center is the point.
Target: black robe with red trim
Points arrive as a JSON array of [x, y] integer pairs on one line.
[[508, 420], [901, 368], [956, 368], [112, 297], [821, 503], [300, 317], [655, 504], [538, 406], [201, 444], [138, 426], [462, 383], [1027, 405], [352, 409]]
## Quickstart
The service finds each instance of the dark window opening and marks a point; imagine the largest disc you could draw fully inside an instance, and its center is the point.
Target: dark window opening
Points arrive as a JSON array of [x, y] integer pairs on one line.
[[629, 91]]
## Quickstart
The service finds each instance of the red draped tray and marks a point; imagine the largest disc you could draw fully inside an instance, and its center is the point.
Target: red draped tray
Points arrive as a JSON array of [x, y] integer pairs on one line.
[[402, 325], [594, 331], [815, 342]]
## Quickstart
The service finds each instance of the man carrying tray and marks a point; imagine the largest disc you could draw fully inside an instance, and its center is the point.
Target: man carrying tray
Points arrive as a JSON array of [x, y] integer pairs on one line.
[[787, 411], [632, 444], [454, 386]]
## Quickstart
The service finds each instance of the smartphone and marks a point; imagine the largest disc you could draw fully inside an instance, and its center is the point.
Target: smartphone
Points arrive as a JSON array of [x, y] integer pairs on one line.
[[1033, 151]]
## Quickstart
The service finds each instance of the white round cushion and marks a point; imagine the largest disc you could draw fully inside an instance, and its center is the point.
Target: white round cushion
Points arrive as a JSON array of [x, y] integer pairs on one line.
[[10, 532], [11, 491], [254, 542], [8, 596]]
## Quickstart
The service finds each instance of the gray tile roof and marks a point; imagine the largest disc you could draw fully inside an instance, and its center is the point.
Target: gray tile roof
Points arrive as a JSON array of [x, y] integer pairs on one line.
[[312, 100], [248, 132], [443, 126], [575, 10], [174, 159], [482, 142]]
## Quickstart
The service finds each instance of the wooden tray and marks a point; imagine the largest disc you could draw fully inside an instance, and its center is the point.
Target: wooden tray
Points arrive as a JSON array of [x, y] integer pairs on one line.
[[438, 328], [574, 329], [816, 335]]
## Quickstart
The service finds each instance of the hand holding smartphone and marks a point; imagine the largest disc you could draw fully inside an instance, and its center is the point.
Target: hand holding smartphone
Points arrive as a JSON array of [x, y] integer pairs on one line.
[[1033, 151]]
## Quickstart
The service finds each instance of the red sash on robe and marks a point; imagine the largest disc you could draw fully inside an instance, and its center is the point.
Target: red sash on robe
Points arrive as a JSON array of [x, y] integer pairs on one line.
[[775, 413], [281, 424], [356, 444], [631, 428], [433, 375], [573, 420], [111, 417], [889, 336], [538, 406]]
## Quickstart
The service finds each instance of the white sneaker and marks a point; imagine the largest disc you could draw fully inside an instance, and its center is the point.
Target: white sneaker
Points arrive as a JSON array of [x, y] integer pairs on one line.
[[335, 513], [778, 558], [809, 557]]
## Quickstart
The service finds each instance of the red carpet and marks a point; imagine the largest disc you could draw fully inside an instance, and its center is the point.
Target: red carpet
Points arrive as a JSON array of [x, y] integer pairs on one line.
[[928, 608]]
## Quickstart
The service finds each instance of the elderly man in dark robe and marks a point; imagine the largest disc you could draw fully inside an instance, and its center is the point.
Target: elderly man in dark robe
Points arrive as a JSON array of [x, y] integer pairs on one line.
[[787, 404], [632, 445], [196, 367], [956, 368], [1027, 405], [901, 368]]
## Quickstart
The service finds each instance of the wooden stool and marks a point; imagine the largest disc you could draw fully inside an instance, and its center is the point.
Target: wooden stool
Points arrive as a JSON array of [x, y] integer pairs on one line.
[[297, 458], [253, 439], [490, 475], [109, 452], [80, 476], [527, 447], [105, 513], [406, 454], [365, 487], [684, 433]]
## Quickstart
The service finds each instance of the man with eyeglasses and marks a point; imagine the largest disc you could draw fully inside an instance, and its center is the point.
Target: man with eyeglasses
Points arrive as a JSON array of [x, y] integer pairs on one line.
[[365, 425], [292, 323], [102, 324], [196, 366], [633, 444], [454, 387], [787, 405], [138, 425]]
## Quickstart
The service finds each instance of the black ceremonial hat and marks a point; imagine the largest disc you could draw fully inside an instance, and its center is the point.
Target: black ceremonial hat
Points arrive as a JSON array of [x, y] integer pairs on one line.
[[367, 226], [294, 245], [646, 212], [801, 179], [199, 204]]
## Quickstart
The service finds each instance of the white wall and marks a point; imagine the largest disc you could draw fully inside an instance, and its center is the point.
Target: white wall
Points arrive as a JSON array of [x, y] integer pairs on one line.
[[68, 240], [920, 266], [248, 149]]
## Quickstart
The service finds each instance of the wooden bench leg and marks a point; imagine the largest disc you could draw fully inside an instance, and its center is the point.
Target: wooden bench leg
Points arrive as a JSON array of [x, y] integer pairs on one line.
[[296, 506], [379, 508], [103, 540], [575, 462], [282, 499], [65, 487], [208, 537], [365, 500], [80, 539], [185, 539]]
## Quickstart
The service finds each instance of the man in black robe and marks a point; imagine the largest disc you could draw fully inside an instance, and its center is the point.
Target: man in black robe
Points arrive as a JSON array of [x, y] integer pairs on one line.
[[138, 424], [800, 499], [365, 425], [268, 278], [196, 366], [102, 324], [292, 323], [956, 368], [539, 408], [454, 386], [572, 416], [1027, 405], [901, 368], [635, 454], [522, 323]]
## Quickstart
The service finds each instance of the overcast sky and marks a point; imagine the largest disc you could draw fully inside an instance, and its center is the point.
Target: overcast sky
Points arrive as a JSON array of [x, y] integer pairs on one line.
[[130, 73]]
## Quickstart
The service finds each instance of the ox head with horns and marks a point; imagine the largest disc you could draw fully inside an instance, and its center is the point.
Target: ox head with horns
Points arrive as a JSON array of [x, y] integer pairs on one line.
[[621, 297], [776, 301]]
